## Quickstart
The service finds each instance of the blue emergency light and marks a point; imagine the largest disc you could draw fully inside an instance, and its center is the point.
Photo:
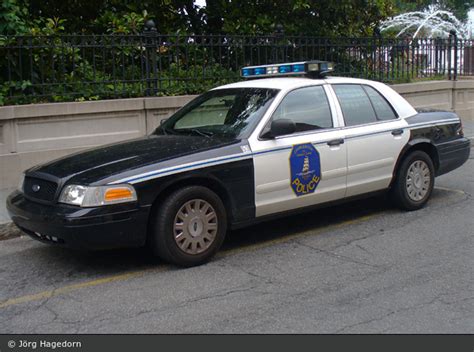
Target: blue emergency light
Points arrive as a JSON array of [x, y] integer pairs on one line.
[[313, 68]]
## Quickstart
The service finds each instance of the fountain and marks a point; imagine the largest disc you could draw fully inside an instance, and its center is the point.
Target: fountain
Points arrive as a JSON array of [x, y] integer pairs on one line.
[[430, 22], [470, 22], [428, 35]]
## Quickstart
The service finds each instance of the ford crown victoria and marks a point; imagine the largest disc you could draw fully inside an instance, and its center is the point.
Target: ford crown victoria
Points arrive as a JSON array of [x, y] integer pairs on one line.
[[238, 154]]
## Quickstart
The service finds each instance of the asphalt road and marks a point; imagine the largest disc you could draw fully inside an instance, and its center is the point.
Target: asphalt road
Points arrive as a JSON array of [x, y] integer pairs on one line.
[[363, 267]]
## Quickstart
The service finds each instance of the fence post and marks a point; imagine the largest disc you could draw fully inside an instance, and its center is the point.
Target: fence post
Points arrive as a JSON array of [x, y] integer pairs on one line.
[[449, 55], [278, 34], [373, 58], [376, 37], [452, 34], [150, 34], [437, 55]]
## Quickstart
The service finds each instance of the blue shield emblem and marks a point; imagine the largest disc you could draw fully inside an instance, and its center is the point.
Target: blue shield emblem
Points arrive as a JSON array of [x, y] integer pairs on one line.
[[305, 169]]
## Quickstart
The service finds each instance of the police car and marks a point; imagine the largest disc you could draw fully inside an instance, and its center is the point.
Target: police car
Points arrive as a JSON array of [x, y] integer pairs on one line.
[[238, 154]]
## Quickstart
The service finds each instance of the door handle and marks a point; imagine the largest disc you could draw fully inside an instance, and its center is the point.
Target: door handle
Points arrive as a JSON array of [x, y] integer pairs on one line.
[[336, 142], [397, 132]]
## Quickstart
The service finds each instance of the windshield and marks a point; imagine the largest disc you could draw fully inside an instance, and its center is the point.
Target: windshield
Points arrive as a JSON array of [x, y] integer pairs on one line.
[[225, 112]]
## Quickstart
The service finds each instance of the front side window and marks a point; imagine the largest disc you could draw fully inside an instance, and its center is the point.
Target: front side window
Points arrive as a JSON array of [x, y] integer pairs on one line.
[[230, 112], [307, 107]]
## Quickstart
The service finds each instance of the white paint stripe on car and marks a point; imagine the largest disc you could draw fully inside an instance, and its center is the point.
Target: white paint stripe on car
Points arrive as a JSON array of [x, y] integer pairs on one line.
[[242, 156]]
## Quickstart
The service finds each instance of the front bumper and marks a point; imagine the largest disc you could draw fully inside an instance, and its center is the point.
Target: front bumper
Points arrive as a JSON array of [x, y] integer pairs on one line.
[[114, 226], [453, 154]]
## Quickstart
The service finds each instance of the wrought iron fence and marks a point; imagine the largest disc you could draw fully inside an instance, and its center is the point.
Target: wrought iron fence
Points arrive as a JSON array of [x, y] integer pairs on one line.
[[88, 67]]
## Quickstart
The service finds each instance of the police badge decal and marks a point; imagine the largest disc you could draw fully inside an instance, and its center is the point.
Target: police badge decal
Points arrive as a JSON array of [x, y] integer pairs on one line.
[[305, 169]]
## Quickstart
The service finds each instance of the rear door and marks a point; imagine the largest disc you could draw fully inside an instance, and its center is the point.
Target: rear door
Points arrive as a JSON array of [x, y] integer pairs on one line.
[[304, 168], [375, 136]]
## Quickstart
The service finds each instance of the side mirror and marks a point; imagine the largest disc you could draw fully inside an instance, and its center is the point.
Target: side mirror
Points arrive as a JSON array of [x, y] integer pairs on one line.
[[281, 127], [162, 121]]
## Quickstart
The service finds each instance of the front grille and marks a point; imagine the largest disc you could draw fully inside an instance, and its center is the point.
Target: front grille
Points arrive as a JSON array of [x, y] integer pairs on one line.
[[40, 189]]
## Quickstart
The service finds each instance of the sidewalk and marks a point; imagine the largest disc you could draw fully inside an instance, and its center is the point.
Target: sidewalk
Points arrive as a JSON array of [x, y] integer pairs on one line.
[[7, 229], [4, 218], [468, 127]]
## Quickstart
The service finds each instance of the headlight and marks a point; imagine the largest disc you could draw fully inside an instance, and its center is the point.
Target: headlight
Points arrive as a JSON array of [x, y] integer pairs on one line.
[[21, 182], [85, 196]]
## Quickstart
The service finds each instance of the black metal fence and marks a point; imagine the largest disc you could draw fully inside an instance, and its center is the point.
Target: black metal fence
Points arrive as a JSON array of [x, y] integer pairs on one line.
[[88, 67]]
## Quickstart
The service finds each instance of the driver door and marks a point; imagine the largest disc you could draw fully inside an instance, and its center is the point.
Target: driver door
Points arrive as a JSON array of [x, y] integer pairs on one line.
[[306, 167]]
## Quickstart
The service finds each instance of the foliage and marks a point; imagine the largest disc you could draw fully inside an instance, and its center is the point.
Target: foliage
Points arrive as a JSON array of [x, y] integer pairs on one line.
[[12, 18], [308, 17], [60, 70], [175, 81], [105, 16], [54, 66], [14, 87], [131, 23]]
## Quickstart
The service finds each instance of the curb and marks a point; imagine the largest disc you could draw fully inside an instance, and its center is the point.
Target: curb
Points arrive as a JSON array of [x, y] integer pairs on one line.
[[8, 231]]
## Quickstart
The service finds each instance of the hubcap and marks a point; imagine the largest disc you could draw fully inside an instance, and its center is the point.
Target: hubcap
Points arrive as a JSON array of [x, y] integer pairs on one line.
[[195, 226], [418, 180]]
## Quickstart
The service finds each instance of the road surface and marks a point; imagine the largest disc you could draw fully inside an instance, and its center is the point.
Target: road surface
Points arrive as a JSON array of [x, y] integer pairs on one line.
[[363, 267]]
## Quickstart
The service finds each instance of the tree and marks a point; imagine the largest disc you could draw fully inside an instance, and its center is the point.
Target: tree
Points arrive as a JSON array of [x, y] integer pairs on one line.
[[12, 18], [102, 16], [299, 17]]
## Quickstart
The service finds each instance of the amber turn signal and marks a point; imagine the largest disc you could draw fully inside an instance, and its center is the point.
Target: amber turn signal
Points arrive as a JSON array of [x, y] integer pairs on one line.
[[115, 194]]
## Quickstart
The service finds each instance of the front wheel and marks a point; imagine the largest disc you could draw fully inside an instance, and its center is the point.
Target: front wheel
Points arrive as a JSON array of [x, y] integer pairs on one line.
[[414, 181], [189, 227]]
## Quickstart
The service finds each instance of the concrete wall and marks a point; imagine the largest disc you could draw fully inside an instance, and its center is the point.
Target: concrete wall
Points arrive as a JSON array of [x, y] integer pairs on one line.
[[448, 95], [32, 134]]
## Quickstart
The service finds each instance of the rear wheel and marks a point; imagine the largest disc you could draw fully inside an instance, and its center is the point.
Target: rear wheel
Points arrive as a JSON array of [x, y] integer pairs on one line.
[[414, 181], [189, 227]]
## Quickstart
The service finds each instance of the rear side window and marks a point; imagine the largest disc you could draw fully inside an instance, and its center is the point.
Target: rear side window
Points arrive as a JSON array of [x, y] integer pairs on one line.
[[307, 107], [355, 104], [362, 104], [382, 108]]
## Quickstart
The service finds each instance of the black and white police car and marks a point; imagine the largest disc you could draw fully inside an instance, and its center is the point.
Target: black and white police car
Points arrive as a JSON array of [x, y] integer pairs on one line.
[[237, 154]]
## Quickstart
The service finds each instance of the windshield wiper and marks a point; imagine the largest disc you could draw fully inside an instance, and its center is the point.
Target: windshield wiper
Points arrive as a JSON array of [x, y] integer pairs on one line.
[[207, 134], [165, 130]]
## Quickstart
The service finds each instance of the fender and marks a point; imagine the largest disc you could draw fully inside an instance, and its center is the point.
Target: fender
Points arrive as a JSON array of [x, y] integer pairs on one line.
[[415, 141], [426, 145], [230, 181]]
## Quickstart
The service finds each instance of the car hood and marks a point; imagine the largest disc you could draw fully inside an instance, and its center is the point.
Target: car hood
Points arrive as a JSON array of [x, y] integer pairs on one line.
[[98, 163]]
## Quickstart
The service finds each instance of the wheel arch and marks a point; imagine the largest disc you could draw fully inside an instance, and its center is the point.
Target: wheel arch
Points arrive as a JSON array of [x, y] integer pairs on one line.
[[207, 181], [423, 144]]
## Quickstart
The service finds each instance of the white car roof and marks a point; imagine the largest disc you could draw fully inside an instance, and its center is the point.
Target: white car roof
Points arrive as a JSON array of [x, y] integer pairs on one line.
[[401, 106], [283, 83], [289, 83]]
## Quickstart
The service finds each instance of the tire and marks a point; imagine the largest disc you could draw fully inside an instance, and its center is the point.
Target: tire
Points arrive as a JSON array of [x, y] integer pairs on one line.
[[189, 227], [414, 181]]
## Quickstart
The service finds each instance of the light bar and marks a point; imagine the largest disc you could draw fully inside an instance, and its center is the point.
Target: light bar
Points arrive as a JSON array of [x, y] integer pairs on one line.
[[311, 68]]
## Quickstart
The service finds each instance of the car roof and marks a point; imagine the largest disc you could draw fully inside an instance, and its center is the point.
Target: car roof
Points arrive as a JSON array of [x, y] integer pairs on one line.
[[285, 84], [274, 83], [289, 83]]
